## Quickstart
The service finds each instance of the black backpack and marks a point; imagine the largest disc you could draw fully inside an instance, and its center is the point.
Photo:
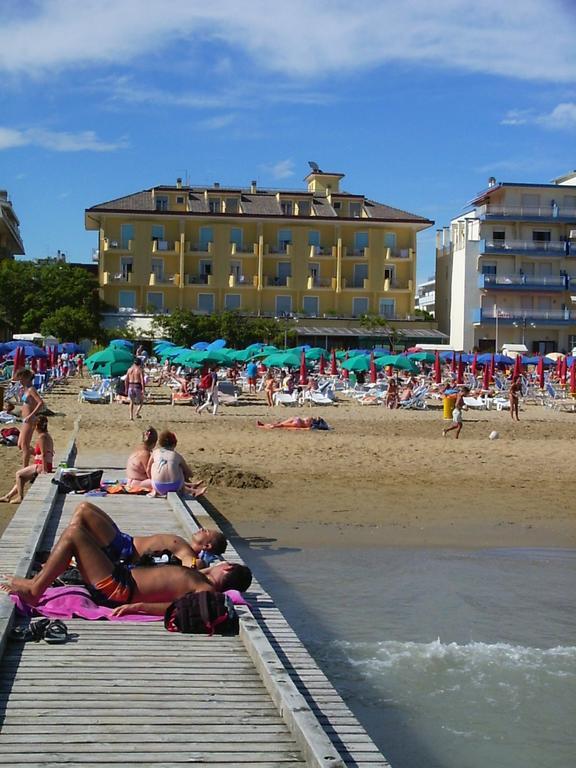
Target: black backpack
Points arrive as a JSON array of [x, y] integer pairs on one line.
[[79, 482], [202, 613]]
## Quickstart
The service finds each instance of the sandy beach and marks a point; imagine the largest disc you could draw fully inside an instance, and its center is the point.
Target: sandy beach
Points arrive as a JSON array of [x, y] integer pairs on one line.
[[378, 478]]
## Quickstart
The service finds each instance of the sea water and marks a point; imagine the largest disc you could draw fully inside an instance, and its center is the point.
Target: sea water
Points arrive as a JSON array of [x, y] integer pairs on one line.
[[450, 659]]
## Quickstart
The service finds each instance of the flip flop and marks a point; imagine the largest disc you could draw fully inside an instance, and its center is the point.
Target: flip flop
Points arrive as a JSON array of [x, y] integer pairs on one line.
[[33, 632], [56, 632]]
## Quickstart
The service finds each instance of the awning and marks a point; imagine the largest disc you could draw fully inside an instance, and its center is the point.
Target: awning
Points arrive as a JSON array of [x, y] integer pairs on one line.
[[411, 333]]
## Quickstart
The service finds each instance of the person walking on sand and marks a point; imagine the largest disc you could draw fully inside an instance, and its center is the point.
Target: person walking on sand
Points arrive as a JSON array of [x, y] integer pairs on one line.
[[211, 394], [514, 397], [457, 413], [135, 387], [32, 403]]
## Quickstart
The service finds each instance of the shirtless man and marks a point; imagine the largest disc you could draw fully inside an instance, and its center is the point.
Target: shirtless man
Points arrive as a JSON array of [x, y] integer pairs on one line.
[[140, 590], [135, 387], [203, 549]]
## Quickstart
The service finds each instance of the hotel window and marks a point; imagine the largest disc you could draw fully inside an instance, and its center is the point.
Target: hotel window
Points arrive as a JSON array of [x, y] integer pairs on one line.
[[337, 205], [355, 210], [390, 240], [158, 269], [387, 308], [214, 205], [389, 274], [155, 301], [530, 202], [541, 236], [231, 205], [127, 299], [205, 270], [359, 307], [157, 232], [126, 235], [360, 242], [206, 237], [161, 203], [284, 272], [179, 201], [232, 302], [314, 239], [284, 239], [283, 305], [206, 302], [499, 236], [287, 207], [304, 208], [236, 237], [126, 266], [489, 269], [311, 305]]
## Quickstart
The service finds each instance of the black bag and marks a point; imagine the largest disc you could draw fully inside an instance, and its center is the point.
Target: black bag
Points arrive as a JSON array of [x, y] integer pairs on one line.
[[79, 482], [202, 613]]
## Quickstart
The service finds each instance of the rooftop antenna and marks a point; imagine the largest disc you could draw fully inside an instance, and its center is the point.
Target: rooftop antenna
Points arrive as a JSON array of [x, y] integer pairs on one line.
[[186, 178], [314, 166]]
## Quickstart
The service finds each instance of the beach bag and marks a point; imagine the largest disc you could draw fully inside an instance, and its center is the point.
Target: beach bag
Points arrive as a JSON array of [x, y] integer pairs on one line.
[[202, 613], [79, 482], [9, 436]]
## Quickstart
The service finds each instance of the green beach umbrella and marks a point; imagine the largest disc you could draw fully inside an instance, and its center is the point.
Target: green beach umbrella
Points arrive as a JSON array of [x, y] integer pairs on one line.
[[109, 355], [112, 368], [357, 364], [397, 361], [422, 357], [282, 360], [315, 353]]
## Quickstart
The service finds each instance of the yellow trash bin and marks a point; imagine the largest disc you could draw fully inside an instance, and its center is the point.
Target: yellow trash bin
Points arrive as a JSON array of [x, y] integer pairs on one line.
[[449, 403]]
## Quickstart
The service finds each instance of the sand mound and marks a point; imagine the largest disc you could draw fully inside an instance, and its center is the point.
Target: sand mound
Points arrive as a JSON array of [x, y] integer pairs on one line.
[[230, 477]]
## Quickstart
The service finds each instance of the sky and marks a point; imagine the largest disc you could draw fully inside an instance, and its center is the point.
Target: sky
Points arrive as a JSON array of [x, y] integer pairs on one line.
[[417, 102]]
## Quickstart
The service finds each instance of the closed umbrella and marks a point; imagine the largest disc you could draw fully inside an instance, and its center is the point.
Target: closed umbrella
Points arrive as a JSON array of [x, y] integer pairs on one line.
[[19, 358], [474, 366], [345, 372], [303, 370], [517, 367], [573, 377], [373, 377], [492, 367], [460, 374], [333, 367], [563, 372], [437, 370], [322, 365], [486, 378], [540, 372], [453, 363]]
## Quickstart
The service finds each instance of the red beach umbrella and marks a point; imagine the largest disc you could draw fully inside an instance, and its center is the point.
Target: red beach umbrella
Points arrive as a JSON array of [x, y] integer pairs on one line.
[[573, 377], [563, 371], [41, 365], [34, 365], [558, 366], [517, 367], [345, 371], [492, 367], [19, 359], [437, 370], [460, 375], [373, 376], [486, 379], [303, 370], [322, 365], [453, 363], [474, 367], [333, 367], [540, 372]]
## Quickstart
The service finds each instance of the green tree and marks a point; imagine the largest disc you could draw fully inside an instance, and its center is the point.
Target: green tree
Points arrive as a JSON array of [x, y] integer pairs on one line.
[[70, 323]]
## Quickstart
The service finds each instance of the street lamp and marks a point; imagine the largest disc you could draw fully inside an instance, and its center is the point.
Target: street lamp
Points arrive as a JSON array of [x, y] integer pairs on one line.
[[287, 317], [523, 324]]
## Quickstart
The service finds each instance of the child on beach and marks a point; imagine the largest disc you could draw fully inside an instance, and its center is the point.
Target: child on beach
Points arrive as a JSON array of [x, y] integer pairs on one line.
[[168, 470]]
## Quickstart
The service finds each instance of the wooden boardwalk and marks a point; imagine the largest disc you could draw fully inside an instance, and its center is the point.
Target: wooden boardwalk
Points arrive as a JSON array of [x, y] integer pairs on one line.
[[133, 694]]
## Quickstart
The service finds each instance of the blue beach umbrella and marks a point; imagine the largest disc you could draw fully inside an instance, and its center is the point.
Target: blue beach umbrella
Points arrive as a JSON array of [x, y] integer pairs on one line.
[[30, 350]]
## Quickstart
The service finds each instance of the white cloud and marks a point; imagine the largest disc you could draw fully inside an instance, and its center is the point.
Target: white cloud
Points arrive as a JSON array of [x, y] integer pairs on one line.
[[301, 38], [561, 118], [283, 169], [57, 141], [218, 122]]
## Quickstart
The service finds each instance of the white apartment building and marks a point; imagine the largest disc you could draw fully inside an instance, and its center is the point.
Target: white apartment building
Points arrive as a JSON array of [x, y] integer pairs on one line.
[[425, 298], [506, 269]]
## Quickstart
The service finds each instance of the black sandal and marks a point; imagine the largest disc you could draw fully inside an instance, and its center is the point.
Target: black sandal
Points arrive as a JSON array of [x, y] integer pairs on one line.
[[34, 632], [56, 633]]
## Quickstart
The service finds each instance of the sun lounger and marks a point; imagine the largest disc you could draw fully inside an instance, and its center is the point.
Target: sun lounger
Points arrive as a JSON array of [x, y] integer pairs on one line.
[[476, 403], [283, 398], [102, 394], [313, 397]]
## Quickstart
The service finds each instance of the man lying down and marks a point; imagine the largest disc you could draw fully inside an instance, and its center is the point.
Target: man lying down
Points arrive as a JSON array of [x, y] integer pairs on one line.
[[113, 582]]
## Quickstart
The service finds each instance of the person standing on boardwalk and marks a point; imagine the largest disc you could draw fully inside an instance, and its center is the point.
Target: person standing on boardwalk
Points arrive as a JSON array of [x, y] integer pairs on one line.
[[514, 397], [457, 413], [135, 387]]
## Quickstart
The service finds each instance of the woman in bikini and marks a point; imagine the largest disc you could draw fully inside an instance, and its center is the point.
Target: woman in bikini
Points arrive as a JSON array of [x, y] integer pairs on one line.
[[168, 470], [32, 403], [137, 464], [43, 462]]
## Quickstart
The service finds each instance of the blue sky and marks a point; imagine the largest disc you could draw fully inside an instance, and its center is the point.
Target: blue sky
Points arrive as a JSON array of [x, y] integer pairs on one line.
[[418, 102]]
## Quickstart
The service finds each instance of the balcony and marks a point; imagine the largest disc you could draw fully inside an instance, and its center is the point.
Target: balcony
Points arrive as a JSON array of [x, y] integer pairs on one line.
[[165, 280], [116, 277], [165, 246], [118, 245], [524, 283], [362, 284], [242, 281], [199, 279], [199, 247], [273, 281], [537, 316], [356, 253], [319, 282], [395, 285], [544, 212], [249, 249], [398, 254], [319, 251], [284, 249], [557, 248]]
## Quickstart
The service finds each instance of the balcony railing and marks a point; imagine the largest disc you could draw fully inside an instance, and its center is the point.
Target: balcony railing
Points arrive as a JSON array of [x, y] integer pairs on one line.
[[398, 253], [199, 279], [117, 245], [545, 211], [524, 282], [319, 282], [165, 246], [357, 253], [248, 248], [537, 316], [199, 247], [242, 280], [156, 279], [116, 277], [528, 247], [274, 280]]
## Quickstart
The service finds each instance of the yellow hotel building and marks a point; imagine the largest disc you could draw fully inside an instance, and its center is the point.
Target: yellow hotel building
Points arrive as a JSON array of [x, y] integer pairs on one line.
[[314, 252]]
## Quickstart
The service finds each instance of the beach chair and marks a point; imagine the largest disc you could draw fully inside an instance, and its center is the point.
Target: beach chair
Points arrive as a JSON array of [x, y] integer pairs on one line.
[[315, 397], [417, 401], [102, 394], [283, 398], [476, 403], [554, 398]]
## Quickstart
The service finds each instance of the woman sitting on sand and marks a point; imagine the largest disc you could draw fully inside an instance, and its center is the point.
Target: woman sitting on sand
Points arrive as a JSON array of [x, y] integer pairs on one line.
[[43, 462], [296, 422], [168, 470], [137, 464], [31, 404]]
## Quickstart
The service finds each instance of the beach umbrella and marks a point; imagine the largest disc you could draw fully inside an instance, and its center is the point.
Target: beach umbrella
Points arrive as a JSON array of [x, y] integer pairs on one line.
[[200, 346], [486, 378], [460, 372], [563, 371], [42, 365], [373, 377], [453, 363], [315, 353], [121, 344], [437, 370], [397, 361], [217, 344], [492, 367], [282, 360], [322, 365], [34, 365], [19, 358], [359, 363], [109, 355], [573, 376], [474, 366], [28, 350], [303, 372], [517, 367], [540, 372], [422, 357], [112, 368], [333, 366]]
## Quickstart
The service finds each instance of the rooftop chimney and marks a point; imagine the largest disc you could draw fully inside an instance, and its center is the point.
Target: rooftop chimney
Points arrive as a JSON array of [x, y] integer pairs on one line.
[[491, 181], [216, 185], [253, 186], [178, 183]]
